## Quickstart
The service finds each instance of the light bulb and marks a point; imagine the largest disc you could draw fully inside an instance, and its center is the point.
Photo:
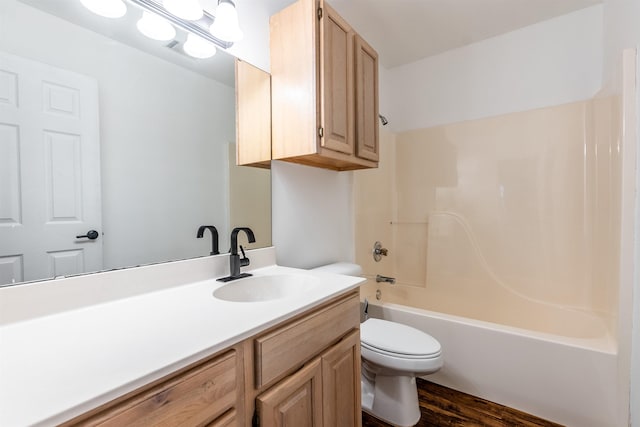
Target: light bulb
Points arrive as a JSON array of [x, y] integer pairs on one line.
[[106, 8], [198, 47], [225, 26], [155, 27], [191, 10]]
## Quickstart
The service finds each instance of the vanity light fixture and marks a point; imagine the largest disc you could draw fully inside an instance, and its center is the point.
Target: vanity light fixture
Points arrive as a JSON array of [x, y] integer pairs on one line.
[[155, 27], [167, 14], [198, 47], [106, 8], [225, 26], [199, 27], [191, 10]]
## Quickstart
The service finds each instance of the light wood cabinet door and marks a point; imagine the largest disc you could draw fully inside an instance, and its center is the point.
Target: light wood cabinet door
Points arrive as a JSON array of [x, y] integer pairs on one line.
[[198, 397], [294, 402], [253, 116], [286, 348], [366, 100], [293, 81], [341, 383], [336, 82], [313, 93]]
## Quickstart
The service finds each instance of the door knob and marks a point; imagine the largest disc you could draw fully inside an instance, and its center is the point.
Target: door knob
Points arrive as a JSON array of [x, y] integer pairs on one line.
[[91, 235]]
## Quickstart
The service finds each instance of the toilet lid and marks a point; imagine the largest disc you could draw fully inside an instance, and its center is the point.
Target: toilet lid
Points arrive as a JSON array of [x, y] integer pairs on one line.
[[396, 338]]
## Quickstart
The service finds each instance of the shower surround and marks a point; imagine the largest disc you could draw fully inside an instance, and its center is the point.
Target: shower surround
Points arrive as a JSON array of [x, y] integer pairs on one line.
[[509, 224]]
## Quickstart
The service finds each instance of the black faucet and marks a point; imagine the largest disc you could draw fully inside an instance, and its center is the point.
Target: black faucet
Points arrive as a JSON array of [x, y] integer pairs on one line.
[[235, 262], [214, 237]]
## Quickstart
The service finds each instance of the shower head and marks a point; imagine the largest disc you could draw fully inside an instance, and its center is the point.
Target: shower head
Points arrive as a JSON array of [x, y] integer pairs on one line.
[[383, 120]]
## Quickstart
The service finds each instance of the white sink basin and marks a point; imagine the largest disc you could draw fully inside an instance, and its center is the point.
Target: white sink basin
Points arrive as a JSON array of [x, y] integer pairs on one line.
[[265, 288]]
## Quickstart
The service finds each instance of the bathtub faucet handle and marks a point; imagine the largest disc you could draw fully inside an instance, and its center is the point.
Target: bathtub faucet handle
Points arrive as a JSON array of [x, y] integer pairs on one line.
[[379, 251]]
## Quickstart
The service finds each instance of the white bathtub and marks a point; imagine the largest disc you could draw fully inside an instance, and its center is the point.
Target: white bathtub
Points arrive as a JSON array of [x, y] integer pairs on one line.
[[568, 380]]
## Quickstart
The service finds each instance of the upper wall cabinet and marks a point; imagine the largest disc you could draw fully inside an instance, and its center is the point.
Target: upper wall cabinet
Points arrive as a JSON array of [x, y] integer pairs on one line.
[[324, 90], [253, 116]]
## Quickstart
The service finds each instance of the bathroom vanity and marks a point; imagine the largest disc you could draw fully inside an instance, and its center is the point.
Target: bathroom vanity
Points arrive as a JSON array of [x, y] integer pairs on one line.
[[176, 355], [306, 369]]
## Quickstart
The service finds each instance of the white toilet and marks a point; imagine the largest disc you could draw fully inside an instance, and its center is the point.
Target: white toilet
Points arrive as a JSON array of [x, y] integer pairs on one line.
[[393, 355]]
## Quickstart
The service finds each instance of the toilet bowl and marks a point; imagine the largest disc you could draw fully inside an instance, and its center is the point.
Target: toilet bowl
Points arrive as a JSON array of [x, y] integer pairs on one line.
[[393, 355]]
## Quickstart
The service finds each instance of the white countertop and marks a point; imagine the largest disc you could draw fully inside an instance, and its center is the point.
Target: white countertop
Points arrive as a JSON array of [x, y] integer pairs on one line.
[[57, 366]]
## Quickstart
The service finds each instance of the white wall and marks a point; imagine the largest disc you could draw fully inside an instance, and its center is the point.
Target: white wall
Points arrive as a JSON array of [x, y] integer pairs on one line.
[[312, 215], [549, 63], [253, 16], [621, 30], [164, 133]]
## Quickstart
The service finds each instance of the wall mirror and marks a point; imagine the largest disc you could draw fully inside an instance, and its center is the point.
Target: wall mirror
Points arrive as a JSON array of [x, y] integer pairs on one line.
[[103, 129]]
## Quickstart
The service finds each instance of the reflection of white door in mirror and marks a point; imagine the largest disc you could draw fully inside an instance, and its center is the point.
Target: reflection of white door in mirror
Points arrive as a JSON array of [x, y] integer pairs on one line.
[[49, 172]]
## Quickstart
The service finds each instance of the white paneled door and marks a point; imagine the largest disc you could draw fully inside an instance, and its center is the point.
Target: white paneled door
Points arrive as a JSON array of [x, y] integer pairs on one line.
[[49, 172]]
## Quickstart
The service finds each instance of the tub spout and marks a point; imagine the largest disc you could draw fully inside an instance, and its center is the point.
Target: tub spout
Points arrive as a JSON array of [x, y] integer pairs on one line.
[[380, 278]]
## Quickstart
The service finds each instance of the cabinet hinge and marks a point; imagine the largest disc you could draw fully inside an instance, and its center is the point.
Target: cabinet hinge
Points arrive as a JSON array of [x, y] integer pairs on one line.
[[320, 132], [319, 13]]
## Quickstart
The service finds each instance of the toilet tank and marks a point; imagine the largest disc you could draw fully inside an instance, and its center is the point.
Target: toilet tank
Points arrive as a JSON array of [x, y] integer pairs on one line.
[[346, 268]]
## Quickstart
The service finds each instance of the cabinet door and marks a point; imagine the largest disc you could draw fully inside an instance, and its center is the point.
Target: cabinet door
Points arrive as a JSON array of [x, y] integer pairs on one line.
[[336, 82], [341, 383], [294, 402], [194, 398], [366, 82], [253, 116], [289, 346]]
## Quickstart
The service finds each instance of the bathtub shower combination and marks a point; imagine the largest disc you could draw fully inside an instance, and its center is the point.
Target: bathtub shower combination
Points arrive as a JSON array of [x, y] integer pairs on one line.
[[502, 235]]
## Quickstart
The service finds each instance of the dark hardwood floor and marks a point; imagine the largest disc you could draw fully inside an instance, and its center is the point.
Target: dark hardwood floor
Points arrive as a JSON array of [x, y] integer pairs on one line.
[[444, 407]]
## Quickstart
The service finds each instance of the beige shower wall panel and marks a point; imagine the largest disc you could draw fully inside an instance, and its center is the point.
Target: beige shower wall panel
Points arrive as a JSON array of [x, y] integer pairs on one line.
[[522, 193], [374, 206], [605, 158]]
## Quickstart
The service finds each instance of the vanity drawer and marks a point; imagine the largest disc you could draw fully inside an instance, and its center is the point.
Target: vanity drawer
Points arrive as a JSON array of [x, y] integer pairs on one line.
[[194, 398], [288, 347]]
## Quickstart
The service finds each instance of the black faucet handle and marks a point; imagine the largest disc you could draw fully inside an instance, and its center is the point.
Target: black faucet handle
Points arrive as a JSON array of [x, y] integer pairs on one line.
[[244, 261]]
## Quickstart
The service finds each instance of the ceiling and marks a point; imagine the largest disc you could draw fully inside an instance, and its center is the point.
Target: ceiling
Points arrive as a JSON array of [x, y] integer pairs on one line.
[[404, 31]]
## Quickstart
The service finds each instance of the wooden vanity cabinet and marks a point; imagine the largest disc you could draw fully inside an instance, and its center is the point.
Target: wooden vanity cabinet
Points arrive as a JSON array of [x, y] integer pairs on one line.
[[324, 350], [324, 392], [324, 89], [302, 372], [209, 393]]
